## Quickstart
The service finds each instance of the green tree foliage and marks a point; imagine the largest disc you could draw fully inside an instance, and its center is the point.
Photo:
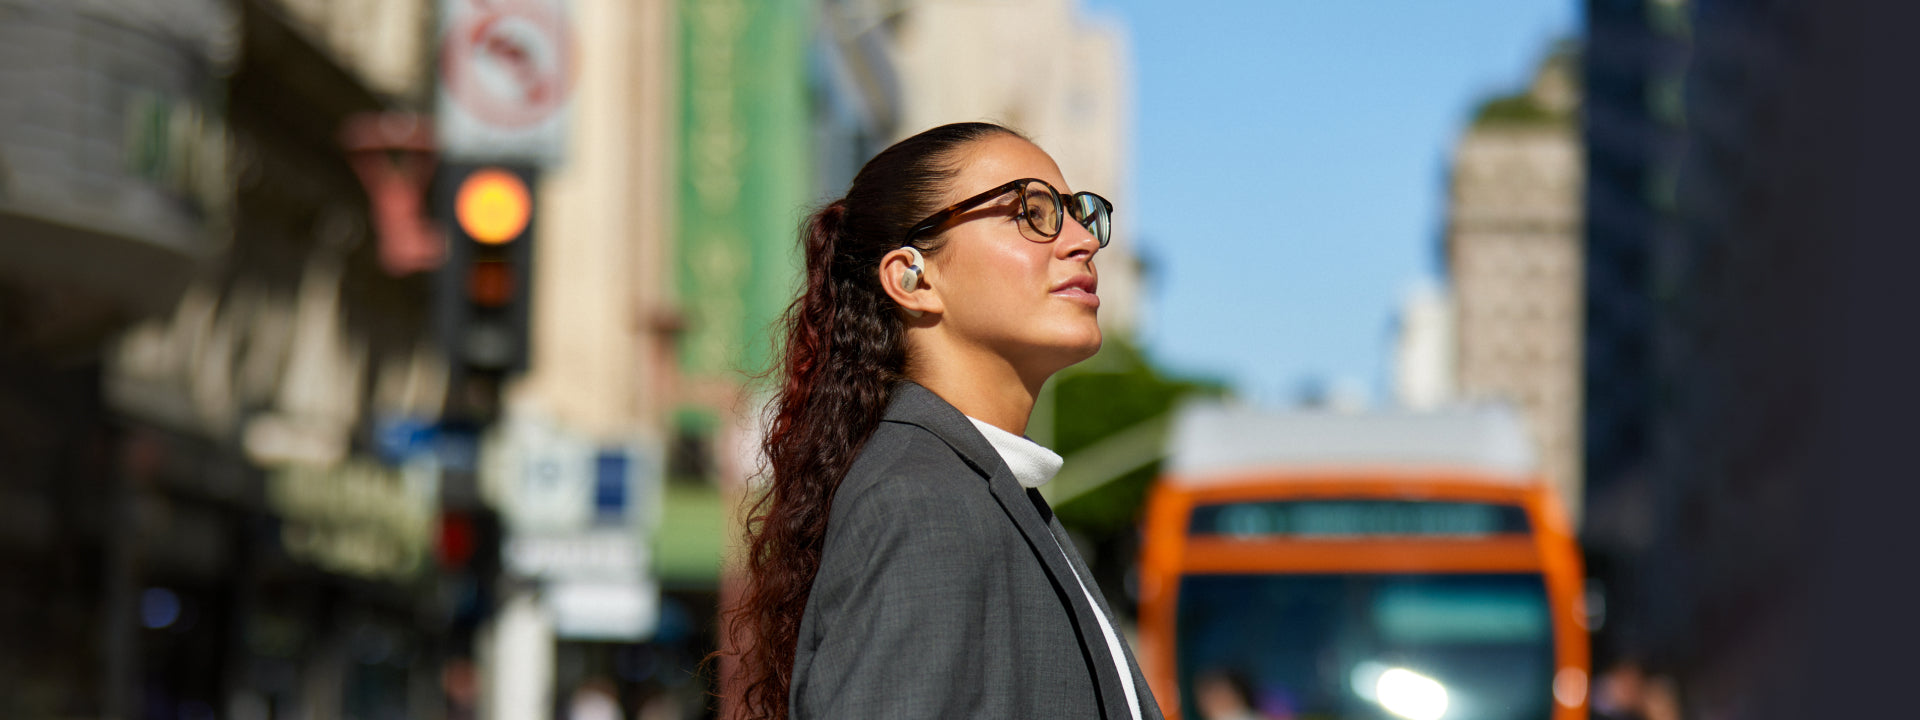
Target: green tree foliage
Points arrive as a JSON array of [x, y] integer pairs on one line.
[[1519, 109], [1116, 390]]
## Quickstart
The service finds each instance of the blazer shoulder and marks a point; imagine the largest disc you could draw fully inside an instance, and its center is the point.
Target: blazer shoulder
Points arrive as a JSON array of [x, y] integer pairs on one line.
[[907, 472]]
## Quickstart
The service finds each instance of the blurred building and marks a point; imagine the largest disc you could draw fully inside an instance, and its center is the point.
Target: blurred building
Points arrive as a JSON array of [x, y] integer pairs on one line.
[[1739, 204], [271, 416], [775, 105], [202, 349], [856, 92], [1423, 354], [1513, 261], [114, 188], [1785, 388], [1635, 59], [610, 575], [1634, 70]]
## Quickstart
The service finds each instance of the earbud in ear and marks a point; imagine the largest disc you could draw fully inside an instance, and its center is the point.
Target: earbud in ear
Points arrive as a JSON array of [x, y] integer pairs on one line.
[[910, 277]]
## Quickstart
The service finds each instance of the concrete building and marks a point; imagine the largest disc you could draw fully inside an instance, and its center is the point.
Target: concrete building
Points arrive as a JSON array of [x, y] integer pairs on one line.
[[1634, 61], [576, 461], [1513, 258], [1424, 350], [1756, 197], [200, 349], [1634, 66]]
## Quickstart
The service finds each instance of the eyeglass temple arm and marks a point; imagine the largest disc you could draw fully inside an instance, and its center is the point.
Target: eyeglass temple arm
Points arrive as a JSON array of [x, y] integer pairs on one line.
[[940, 220]]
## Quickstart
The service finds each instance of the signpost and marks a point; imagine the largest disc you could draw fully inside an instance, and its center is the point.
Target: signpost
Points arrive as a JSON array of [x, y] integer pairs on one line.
[[578, 512], [506, 80]]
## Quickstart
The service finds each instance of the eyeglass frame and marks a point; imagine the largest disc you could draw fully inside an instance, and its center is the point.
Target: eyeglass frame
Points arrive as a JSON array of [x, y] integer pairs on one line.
[[944, 219]]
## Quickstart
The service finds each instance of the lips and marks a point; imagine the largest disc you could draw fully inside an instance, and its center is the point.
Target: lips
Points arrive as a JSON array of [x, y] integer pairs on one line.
[[1080, 288], [1085, 283]]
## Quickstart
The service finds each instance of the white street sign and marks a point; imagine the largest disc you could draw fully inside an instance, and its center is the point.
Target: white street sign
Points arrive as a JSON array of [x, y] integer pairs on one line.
[[506, 80]]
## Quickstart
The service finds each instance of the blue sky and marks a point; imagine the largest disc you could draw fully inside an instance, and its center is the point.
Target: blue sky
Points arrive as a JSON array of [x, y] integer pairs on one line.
[[1289, 168]]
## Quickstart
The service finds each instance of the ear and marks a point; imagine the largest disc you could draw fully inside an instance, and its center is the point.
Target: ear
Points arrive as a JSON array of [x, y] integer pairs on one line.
[[906, 277]]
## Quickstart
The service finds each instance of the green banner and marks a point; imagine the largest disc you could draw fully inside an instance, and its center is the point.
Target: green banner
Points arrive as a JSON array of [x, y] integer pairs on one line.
[[744, 174]]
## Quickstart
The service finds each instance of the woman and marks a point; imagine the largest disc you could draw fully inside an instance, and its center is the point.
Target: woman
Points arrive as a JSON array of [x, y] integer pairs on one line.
[[901, 563]]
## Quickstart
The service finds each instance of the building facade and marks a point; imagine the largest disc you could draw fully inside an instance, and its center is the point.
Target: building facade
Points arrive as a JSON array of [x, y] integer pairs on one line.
[[1633, 70], [1634, 66], [1514, 264], [576, 461], [1423, 354], [222, 527]]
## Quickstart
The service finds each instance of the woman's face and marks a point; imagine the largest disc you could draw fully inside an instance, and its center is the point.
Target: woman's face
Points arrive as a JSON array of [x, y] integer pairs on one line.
[[1005, 287]]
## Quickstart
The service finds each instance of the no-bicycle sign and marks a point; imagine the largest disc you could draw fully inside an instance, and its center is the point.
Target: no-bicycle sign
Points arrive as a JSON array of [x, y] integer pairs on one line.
[[506, 80]]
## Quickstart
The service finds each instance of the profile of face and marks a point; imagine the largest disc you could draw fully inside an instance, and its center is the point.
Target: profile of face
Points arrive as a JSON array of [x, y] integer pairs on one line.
[[996, 284]]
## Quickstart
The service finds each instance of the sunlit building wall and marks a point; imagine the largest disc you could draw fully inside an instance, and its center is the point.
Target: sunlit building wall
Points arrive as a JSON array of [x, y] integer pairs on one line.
[[1513, 259], [1423, 357], [575, 460], [601, 285]]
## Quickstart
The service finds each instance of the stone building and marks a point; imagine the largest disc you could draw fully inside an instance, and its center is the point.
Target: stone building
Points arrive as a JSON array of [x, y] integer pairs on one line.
[[1514, 260]]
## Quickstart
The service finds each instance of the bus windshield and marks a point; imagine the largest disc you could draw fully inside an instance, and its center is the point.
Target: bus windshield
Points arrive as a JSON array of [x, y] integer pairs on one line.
[[1351, 647]]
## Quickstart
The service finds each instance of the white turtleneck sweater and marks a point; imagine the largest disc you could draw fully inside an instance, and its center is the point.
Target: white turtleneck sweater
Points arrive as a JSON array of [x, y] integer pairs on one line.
[[1033, 466]]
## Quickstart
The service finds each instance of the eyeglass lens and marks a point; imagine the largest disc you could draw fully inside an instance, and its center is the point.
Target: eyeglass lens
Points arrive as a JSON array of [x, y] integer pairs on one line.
[[1046, 211], [1042, 207], [1089, 210]]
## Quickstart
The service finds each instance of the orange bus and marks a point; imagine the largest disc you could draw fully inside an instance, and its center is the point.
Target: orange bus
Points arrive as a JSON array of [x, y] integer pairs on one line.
[[1369, 565]]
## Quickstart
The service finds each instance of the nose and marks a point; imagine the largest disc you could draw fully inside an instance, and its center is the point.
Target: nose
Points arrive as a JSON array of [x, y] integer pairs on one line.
[[1076, 242]]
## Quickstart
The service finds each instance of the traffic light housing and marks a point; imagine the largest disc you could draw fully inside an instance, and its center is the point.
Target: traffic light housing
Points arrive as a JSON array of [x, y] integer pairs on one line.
[[485, 287]]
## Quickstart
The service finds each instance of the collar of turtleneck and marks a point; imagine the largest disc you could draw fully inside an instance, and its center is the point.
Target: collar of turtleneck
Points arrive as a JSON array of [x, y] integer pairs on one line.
[[1031, 464]]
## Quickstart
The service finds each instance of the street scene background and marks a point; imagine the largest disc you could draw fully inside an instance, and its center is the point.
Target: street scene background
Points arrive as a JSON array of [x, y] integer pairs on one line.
[[407, 358]]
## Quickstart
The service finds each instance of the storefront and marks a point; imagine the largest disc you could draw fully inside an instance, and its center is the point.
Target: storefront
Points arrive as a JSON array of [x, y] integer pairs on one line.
[[198, 350], [114, 187]]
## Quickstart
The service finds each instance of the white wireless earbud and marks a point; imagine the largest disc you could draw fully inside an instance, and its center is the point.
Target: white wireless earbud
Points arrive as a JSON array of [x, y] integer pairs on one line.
[[910, 277]]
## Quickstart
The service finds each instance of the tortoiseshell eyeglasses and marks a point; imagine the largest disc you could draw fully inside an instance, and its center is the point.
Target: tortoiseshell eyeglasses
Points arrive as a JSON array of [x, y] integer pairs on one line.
[[1040, 205]]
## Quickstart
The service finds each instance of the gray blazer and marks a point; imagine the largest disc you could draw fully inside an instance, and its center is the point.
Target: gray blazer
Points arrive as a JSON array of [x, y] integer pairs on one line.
[[942, 592]]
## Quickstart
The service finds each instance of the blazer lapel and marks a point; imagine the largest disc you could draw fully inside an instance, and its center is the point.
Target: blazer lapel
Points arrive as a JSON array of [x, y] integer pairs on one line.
[[915, 405], [1149, 707]]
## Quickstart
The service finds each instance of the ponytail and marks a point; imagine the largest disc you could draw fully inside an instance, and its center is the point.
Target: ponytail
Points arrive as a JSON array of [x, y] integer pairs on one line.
[[842, 350]]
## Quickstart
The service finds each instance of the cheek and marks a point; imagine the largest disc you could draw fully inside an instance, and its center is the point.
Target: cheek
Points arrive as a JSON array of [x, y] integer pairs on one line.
[[999, 279]]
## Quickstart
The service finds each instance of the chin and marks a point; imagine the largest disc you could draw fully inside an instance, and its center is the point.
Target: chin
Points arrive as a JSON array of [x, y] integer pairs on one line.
[[1083, 345], [1056, 349]]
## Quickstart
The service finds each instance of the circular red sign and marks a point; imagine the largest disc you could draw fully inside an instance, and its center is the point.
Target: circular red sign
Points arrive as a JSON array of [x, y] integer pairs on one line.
[[510, 63]]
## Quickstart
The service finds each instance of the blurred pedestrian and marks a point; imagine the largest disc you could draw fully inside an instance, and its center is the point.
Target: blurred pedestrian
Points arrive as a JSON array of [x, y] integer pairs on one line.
[[1626, 691], [594, 700], [1222, 695], [1619, 692], [903, 563]]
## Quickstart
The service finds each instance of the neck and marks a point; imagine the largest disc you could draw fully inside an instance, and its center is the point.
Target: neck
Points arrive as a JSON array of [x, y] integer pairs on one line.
[[980, 383]]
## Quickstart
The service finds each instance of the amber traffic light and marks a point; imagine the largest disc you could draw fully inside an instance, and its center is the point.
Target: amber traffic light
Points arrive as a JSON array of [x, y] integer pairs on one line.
[[485, 287], [493, 206]]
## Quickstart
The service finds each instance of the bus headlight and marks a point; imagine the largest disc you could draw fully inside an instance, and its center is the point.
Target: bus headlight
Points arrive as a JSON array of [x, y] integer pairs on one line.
[[1400, 691], [1411, 695]]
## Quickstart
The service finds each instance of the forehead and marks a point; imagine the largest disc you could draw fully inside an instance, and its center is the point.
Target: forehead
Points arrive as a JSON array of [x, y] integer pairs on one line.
[[1000, 159]]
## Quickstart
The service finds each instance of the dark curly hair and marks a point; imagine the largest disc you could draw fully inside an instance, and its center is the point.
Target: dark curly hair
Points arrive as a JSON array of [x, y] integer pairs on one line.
[[843, 351]]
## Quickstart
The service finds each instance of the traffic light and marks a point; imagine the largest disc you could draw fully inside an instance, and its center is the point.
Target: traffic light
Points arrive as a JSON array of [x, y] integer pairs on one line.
[[485, 286]]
